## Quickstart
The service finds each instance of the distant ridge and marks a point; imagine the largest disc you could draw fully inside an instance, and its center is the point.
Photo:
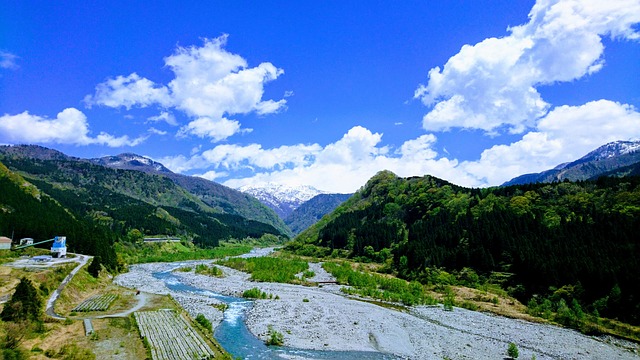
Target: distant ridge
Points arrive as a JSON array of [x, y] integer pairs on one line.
[[147, 183], [129, 161], [603, 160], [281, 198], [313, 210]]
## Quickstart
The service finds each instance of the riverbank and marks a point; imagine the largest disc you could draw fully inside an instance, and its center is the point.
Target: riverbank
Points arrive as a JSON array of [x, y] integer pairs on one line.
[[322, 318]]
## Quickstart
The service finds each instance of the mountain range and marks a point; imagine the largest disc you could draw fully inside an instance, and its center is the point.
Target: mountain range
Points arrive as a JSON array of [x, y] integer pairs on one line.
[[150, 198], [604, 160], [282, 199]]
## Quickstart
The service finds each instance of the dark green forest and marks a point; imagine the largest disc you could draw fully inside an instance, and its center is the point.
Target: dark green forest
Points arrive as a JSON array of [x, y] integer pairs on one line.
[[27, 212], [541, 236], [94, 206]]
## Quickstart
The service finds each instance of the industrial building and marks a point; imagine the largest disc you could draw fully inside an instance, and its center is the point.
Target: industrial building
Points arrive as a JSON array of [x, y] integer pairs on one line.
[[5, 243]]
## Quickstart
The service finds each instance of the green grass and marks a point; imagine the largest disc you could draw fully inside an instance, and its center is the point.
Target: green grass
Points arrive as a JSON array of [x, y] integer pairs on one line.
[[269, 269], [378, 286], [170, 252]]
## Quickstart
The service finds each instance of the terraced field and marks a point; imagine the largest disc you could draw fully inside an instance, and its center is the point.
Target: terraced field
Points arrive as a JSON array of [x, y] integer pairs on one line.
[[95, 303], [171, 337]]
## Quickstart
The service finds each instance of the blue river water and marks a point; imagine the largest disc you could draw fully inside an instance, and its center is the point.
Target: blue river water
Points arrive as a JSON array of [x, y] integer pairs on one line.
[[235, 337]]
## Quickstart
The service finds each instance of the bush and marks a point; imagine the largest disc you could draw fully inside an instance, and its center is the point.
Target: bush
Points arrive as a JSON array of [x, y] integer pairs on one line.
[[202, 320], [256, 293], [512, 351], [209, 270], [275, 338], [448, 302]]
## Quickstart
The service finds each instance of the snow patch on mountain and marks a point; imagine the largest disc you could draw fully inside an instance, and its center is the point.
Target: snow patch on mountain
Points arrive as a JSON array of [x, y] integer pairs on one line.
[[612, 149], [131, 162], [281, 198]]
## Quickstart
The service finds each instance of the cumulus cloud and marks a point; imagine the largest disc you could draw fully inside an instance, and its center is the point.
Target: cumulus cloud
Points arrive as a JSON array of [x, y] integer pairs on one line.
[[8, 60], [210, 84], [565, 134], [492, 84], [69, 127], [341, 166]]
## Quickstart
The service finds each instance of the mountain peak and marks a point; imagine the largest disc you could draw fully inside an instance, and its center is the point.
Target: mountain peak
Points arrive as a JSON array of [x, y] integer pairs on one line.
[[130, 161], [611, 149], [282, 199], [606, 158]]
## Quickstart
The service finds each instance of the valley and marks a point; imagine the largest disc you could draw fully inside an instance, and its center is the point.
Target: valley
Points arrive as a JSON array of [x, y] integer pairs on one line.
[[415, 268]]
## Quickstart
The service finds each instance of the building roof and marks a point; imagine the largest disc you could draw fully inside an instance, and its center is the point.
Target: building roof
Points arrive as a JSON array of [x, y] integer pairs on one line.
[[4, 239]]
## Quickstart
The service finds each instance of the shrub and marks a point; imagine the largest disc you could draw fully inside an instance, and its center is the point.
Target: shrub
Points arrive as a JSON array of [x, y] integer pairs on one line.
[[512, 351], [448, 302], [209, 270], [202, 320], [274, 337], [255, 293]]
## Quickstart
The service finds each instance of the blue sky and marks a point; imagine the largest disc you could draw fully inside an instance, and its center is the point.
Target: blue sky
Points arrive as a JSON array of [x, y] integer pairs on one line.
[[323, 94]]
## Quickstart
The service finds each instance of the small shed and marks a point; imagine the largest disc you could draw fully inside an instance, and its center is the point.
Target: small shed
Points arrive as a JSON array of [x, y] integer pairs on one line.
[[5, 243]]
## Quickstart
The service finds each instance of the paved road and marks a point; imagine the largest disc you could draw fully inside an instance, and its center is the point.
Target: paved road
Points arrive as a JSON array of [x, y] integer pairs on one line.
[[82, 260]]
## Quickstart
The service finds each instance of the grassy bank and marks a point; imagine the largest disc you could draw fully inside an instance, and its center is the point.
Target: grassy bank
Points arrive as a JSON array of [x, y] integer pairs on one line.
[[131, 253]]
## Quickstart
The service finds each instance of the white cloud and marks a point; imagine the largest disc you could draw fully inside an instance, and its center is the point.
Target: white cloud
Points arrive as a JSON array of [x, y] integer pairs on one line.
[[212, 175], [209, 85], [129, 91], [153, 130], [341, 166], [492, 83], [565, 134], [164, 116], [69, 127], [215, 128], [8, 60]]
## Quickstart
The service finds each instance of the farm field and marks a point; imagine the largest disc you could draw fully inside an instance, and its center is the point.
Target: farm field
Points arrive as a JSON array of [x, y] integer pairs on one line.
[[96, 303], [170, 336]]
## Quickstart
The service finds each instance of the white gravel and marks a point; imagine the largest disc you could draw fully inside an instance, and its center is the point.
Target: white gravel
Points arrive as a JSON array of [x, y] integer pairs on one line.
[[331, 321]]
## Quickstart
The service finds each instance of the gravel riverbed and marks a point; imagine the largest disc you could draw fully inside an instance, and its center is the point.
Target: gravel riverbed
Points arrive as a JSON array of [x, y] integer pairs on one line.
[[322, 318]]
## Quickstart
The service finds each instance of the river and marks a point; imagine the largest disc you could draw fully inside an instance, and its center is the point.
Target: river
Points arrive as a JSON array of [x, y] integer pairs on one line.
[[235, 337]]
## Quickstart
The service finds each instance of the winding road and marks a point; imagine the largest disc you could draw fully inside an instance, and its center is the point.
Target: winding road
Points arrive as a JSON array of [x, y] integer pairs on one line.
[[51, 302]]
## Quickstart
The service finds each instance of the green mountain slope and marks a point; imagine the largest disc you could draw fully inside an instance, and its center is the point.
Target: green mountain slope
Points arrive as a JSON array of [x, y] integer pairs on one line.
[[544, 235], [121, 200], [219, 197], [313, 210], [26, 211]]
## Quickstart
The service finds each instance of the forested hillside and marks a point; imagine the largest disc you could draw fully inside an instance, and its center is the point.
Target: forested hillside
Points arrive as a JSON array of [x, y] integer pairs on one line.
[[540, 237], [25, 211], [217, 196], [119, 201]]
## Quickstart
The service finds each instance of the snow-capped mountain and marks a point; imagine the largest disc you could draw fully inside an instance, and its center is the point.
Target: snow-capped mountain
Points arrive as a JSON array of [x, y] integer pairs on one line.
[[606, 158], [613, 149], [282, 199], [129, 161]]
